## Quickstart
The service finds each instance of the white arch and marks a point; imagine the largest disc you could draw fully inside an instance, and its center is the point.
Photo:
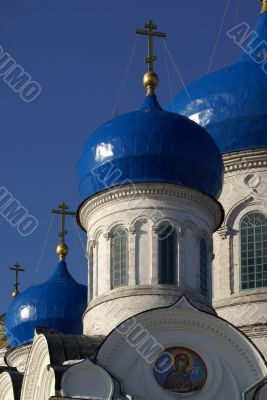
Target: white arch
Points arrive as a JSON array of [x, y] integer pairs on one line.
[[238, 208], [6, 387], [116, 225], [101, 229], [39, 381], [256, 207], [141, 219], [170, 221], [191, 226]]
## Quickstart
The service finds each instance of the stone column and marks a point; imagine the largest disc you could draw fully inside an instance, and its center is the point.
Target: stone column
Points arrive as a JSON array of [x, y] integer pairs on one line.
[[108, 237], [154, 258], [180, 257], [132, 254], [223, 263], [95, 267]]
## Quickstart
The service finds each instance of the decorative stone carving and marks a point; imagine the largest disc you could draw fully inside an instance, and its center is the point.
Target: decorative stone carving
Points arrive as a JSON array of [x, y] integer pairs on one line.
[[252, 180], [18, 357], [92, 243], [132, 230], [108, 235], [224, 232], [143, 192], [245, 160], [155, 229]]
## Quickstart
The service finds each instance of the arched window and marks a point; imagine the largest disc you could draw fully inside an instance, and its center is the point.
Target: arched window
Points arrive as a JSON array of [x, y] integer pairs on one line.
[[91, 272], [119, 258], [167, 248], [203, 268], [253, 246]]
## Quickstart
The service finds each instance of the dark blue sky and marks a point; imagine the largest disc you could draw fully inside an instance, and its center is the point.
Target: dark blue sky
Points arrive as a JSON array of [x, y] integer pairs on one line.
[[78, 51]]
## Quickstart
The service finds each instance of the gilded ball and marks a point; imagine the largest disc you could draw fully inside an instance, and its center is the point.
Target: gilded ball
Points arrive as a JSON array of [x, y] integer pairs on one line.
[[15, 294], [62, 250], [150, 80]]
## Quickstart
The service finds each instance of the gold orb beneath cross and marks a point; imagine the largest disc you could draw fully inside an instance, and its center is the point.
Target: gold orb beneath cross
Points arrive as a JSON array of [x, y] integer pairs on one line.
[[62, 250], [150, 81], [264, 5], [15, 294]]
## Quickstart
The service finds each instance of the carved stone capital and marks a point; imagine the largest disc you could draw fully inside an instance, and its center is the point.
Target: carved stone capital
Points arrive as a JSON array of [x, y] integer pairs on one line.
[[132, 230], [155, 229], [107, 235], [181, 232], [92, 243], [224, 232]]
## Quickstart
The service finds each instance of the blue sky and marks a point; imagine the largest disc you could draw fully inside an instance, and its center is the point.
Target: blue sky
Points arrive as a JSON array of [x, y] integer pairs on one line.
[[77, 51]]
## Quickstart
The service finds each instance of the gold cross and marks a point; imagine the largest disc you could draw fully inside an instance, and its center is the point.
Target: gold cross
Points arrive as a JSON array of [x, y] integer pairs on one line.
[[17, 268], [149, 31], [63, 207]]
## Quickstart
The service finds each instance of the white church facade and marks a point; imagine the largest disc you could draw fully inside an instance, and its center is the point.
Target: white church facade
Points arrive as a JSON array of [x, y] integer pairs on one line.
[[176, 219]]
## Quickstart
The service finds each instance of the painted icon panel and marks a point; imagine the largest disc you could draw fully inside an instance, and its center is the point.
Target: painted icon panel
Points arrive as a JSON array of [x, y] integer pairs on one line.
[[180, 370]]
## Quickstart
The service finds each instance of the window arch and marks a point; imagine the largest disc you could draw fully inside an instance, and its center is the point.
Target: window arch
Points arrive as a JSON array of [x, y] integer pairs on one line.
[[203, 268], [167, 248], [253, 250], [119, 258]]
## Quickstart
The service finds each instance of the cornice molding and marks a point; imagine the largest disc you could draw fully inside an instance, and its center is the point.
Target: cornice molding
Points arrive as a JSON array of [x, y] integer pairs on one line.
[[149, 190], [253, 296], [254, 331], [196, 298], [243, 160]]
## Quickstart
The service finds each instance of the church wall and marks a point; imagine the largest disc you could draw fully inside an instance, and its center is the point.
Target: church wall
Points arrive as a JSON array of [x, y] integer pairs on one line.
[[244, 191]]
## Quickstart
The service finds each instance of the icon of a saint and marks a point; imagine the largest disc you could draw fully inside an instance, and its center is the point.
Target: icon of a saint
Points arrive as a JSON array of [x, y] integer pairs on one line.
[[179, 381]]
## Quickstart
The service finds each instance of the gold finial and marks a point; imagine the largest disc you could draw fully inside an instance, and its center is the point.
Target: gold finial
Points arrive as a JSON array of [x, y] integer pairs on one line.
[[263, 6], [62, 248], [17, 268], [150, 79]]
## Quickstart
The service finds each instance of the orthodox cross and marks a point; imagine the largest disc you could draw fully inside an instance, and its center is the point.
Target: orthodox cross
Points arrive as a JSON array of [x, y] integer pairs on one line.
[[63, 211], [17, 268], [150, 32]]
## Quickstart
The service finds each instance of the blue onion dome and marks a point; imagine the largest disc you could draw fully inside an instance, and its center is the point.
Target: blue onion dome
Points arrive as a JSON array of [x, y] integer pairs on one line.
[[58, 303], [150, 145], [232, 103]]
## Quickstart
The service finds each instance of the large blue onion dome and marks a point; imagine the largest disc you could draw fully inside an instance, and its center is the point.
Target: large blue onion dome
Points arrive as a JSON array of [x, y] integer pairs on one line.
[[58, 303], [232, 103], [150, 145]]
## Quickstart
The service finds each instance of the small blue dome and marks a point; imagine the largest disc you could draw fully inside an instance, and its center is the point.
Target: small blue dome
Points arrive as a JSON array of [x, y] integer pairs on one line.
[[150, 145], [58, 303], [232, 103]]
